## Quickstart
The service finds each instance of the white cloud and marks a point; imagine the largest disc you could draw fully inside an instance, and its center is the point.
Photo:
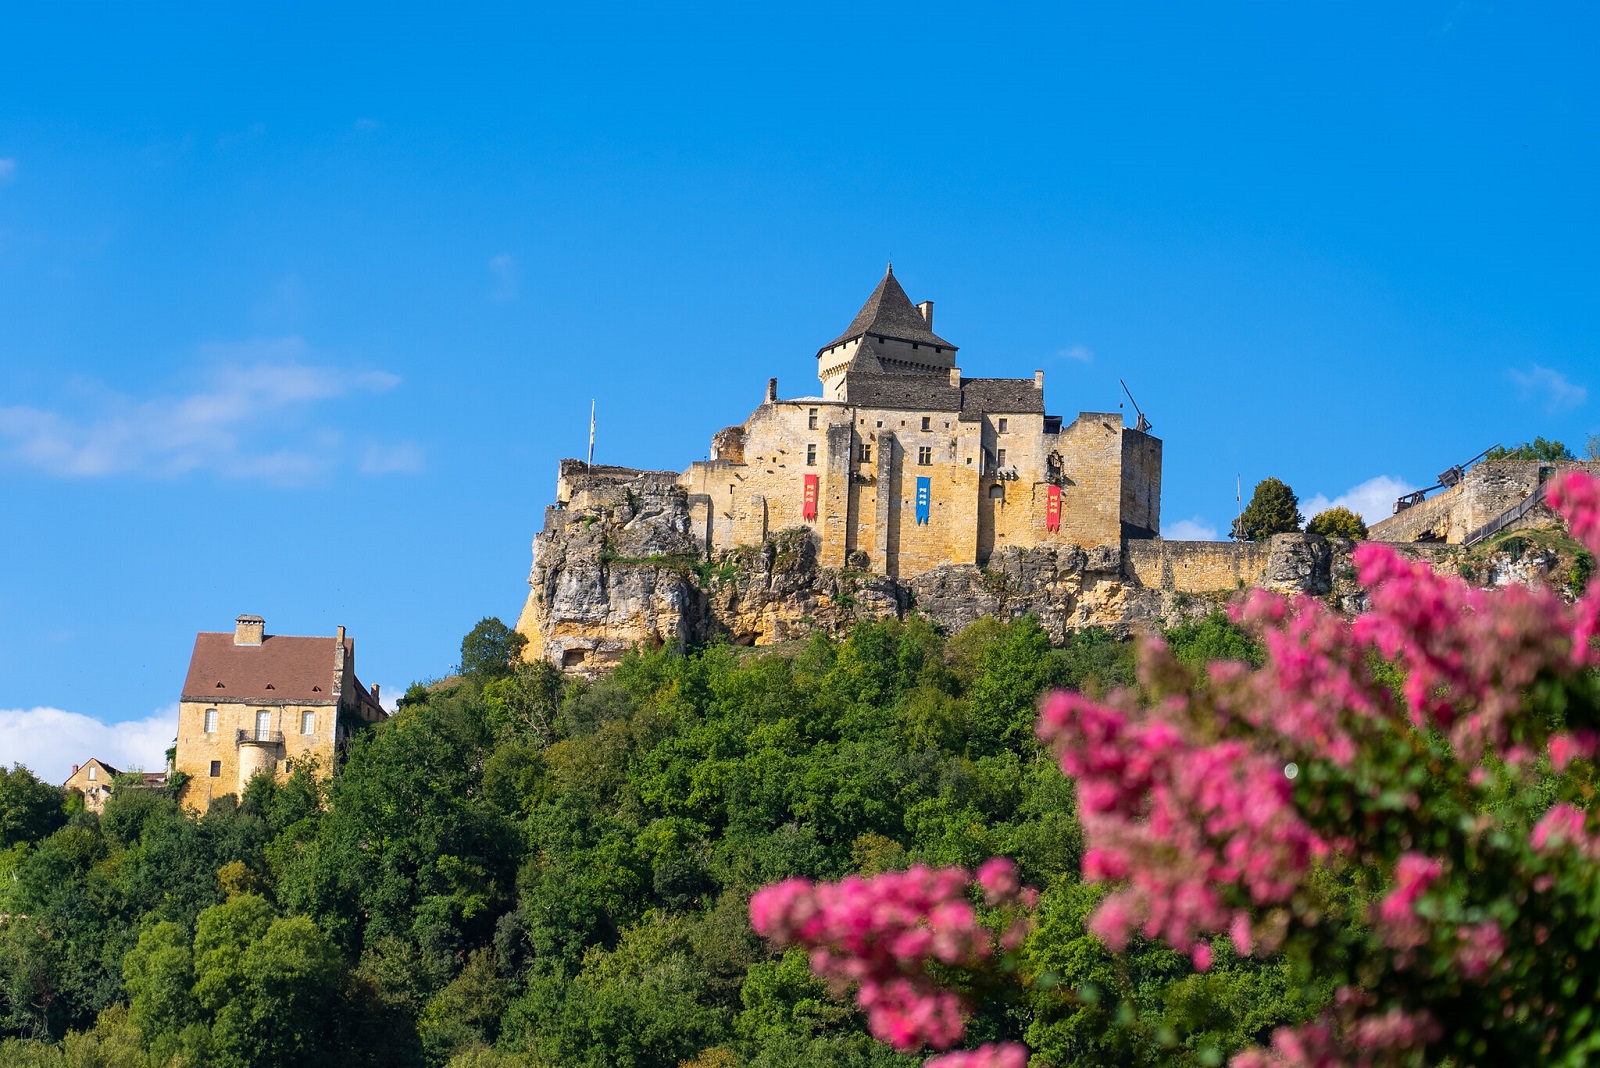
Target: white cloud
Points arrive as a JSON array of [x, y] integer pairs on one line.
[[8, 168], [1558, 392], [1196, 529], [504, 269], [391, 460], [389, 697], [255, 417], [1372, 500], [48, 741], [1081, 353]]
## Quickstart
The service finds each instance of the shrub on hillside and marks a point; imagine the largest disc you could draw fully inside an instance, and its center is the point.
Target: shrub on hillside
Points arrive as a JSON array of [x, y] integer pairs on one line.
[[1338, 522]]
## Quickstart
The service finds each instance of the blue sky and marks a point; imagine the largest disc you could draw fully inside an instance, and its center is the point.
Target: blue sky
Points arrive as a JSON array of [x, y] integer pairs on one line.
[[298, 309]]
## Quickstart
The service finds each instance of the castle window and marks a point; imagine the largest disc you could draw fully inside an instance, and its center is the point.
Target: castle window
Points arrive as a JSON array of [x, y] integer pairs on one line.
[[211, 721], [308, 723], [811, 420], [1000, 457], [866, 454], [263, 725], [938, 349], [93, 773], [924, 456], [811, 455], [997, 493], [288, 766], [927, 423], [216, 769], [1002, 427], [913, 344]]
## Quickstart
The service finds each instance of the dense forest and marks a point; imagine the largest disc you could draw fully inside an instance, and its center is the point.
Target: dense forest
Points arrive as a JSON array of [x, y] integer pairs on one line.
[[519, 869]]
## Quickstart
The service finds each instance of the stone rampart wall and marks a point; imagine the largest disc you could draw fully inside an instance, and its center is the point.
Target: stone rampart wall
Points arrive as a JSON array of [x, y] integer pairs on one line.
[[1196, 566]]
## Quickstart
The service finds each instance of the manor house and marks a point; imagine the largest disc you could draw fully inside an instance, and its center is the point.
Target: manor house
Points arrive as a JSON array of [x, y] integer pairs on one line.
[[904, 464], [256, 703]]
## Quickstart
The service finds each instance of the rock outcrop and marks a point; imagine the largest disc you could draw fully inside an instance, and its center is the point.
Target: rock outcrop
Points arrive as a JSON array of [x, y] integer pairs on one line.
[[619, 567]]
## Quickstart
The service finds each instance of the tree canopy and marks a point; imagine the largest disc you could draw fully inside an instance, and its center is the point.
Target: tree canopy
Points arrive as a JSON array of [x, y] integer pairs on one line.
[[1273, 509], [1537, 449], [1338, 522]]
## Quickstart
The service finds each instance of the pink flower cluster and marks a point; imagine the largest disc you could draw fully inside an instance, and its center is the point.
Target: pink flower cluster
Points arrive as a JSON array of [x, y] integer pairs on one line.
[[1363, 1042], [1199, 830], [1565, 827], [880, 933], [989, 1055]]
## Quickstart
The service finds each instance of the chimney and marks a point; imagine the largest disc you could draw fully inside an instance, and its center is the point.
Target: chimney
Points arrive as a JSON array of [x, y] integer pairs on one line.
[[926, 308], [375, 689], [955, 378], [249, 630], [772, 390], [74, 769], [338, 662], [1038, 380]]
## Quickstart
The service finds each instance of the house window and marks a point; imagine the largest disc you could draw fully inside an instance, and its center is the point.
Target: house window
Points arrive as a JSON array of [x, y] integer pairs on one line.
[[927, 423], [308, 722], [211, 721], [93, 773], [811, 455], [263, 725], [1002, 424], [924, 456], [811, 420], [1000, 457], [216, 769], [866, 454]]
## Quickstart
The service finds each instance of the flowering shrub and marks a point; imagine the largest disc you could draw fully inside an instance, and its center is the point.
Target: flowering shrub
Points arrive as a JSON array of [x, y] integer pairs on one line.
[[1399, 805]]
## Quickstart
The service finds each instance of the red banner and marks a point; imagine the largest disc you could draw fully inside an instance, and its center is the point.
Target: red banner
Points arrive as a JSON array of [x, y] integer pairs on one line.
[[1052, 509], [808, 510]]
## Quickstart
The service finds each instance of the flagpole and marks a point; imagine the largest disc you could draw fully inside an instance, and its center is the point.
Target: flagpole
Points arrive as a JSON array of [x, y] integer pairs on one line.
[[591, 433]]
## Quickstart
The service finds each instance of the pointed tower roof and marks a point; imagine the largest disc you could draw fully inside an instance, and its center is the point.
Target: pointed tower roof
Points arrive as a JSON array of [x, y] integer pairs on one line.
[[889, 313]]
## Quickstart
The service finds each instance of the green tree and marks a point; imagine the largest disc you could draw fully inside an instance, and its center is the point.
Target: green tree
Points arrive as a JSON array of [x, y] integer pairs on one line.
[[1337, 522], [1273, 509], [489, 650], [29, 809], [1537, 449]]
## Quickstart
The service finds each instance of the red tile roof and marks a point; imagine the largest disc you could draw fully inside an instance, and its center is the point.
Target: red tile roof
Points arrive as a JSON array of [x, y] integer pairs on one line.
[[282, 669]]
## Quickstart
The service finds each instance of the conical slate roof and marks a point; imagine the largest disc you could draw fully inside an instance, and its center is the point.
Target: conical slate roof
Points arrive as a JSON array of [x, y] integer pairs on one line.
[[889, 313]]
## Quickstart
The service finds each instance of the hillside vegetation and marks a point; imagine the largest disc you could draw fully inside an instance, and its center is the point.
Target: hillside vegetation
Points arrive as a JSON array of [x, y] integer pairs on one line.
[[516, 869]]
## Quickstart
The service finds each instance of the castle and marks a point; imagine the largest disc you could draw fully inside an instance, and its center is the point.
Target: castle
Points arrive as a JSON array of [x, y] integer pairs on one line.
[[902, 466]]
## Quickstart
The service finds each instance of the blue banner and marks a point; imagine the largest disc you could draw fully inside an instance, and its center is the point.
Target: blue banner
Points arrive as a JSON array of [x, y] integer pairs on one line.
[[924, 495]]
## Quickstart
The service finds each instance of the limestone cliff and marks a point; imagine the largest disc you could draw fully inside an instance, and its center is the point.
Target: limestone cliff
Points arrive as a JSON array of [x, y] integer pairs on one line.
[[618, 567]]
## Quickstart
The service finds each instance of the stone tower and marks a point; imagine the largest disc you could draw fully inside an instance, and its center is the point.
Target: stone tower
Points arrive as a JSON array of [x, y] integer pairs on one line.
[[889, 334]]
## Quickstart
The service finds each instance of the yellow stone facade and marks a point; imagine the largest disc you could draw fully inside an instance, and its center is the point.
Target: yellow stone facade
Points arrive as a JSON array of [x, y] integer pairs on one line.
[[256, 703]]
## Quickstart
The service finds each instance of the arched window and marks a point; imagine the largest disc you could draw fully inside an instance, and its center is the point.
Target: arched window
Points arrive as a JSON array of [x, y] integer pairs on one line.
[[997, 493]]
